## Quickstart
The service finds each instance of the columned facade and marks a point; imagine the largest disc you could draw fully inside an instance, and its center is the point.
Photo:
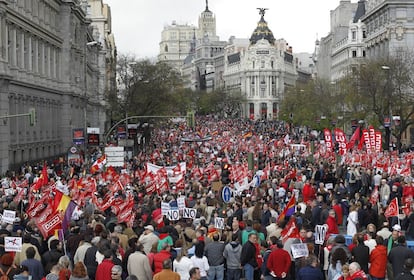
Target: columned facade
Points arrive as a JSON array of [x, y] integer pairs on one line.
[[43, 65]]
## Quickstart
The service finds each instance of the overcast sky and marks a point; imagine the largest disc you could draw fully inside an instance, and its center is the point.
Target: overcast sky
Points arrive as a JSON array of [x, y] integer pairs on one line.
[[137, 24]]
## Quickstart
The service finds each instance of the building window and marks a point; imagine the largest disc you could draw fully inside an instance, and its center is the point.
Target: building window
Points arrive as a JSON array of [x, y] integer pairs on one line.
[[364, 34], [262, 92], [363, 54], [353, 35], [275, 112], [263, 110], [251, 110], [262, 64], [354, 53], [253, 64]]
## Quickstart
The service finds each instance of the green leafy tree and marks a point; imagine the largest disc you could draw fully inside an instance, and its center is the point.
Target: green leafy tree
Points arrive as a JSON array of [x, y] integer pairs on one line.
[[381, 89]]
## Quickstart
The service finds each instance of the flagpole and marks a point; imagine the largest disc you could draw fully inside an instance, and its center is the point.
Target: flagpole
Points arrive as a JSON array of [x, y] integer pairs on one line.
[[398, 211]]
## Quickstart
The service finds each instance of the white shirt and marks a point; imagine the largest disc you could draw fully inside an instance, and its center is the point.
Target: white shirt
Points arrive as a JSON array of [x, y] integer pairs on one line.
[[183, 267], [202, 264]]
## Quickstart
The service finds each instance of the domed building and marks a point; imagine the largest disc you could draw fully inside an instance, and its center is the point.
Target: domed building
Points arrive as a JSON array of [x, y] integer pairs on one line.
[[260, 71]]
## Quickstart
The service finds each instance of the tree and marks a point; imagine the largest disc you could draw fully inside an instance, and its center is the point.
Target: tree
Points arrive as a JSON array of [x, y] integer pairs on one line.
[[148, 89], [383, 88], [219, 102]]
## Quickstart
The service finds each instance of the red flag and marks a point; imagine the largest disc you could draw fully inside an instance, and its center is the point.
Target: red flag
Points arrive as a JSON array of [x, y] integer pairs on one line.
[[392, 209], [42, 180], [374, 196], [48, 226], [354, 138], [98, 164], [291, 230]]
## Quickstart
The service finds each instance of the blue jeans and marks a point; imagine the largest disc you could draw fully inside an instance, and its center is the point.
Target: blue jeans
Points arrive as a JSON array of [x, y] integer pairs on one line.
[[233, 274], [248, 272], [216, 272]]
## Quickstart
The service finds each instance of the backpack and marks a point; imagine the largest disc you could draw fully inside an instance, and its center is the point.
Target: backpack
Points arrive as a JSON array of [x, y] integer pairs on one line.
[[4, 275]]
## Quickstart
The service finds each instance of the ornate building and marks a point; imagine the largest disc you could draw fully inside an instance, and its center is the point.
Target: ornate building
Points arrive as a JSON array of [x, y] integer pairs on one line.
[[49, 62], [260, 72]]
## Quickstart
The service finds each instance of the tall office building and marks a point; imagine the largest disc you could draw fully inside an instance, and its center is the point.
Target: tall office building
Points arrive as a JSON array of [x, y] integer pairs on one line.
[[48, 62]]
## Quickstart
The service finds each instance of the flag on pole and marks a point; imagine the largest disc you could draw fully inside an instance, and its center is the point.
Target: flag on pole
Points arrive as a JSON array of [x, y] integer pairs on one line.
[[98, 164], [392, 209], [289, 209], [42, 180], [291, 230]]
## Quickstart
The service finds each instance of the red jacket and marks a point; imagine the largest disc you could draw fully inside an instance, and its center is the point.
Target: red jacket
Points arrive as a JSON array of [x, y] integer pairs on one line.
[[279, 261], [332, 225], [308, 193], [159, 258], [338, 212], [360, 275], [378, 260], [103, 272]]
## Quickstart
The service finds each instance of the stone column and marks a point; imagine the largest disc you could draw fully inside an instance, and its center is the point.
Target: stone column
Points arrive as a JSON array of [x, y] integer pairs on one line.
[[4, 124]]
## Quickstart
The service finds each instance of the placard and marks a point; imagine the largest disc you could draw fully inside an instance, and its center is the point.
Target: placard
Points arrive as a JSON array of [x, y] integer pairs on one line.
[[12, 244], [8, 216], [189, 213], [299, 250], [173, 215], [219, 223], [320, 234], [165, 207], [181, 203]]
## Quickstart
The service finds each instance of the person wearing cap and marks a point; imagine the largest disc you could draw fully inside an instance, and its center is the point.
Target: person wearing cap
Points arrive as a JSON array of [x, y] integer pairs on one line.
[[148, 238]]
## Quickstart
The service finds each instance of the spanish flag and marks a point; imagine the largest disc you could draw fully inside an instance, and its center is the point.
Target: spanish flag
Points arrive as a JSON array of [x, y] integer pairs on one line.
[[64, 204], [289, 209]]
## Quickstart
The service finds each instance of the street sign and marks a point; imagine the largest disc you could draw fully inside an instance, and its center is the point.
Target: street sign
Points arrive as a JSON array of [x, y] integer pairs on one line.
[[226, 194]]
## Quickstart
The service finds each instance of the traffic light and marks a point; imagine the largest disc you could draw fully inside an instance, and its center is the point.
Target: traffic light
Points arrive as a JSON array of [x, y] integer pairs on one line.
[[261, 161], [32, 116], [225, 173]]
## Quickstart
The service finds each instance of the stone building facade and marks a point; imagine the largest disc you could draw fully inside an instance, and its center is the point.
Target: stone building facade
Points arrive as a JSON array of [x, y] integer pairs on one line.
[[49, 62]]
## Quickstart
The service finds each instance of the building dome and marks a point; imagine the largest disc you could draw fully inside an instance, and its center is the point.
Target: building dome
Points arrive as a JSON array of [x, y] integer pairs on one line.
[[262, 31]]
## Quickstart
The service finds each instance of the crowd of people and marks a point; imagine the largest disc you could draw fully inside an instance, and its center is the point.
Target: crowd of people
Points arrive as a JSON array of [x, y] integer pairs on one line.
[[350, 199]]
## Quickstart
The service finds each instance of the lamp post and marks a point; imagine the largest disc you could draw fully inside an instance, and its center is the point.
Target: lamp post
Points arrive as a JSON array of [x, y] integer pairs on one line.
[[387, 119]]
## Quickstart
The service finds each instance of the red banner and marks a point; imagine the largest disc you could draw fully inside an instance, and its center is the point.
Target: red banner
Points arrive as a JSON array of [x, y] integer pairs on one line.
[[372, 136], [367, 140], [340, 138], [378, 141], [328, 140]]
